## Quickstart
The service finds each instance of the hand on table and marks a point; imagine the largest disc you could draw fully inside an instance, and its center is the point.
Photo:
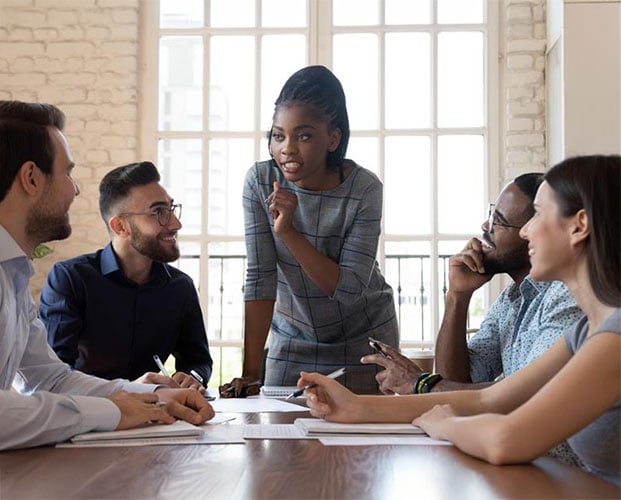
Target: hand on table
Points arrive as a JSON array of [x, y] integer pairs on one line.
[[240, 387]]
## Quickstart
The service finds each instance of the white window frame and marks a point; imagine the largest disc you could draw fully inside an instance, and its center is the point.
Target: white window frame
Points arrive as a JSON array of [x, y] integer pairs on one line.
[[320, 52]]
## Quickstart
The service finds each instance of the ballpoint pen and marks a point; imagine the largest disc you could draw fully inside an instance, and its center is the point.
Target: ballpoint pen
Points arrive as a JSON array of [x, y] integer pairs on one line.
[[377, 347], [160, 365], [300, 391]]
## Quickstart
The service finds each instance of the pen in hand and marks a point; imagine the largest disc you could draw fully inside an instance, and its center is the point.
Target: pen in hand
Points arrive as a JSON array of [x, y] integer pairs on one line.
[[160, 365], [300, 391]]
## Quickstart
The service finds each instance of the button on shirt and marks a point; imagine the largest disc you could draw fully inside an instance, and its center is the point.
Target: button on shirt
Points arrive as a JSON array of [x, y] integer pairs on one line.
[[102, 323], [521, 325], [54, 402]]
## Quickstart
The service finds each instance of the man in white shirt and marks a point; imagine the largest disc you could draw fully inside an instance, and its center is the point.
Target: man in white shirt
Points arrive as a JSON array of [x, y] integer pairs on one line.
[[53, 402]]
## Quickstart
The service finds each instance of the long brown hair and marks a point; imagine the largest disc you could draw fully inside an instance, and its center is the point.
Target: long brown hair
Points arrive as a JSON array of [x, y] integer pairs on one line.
[[593, 183]]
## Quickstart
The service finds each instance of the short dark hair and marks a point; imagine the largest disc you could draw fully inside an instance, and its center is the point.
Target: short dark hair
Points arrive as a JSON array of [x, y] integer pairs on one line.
[[116, 184], [593, 183], [318, 88], [528, 184], [24, 136]]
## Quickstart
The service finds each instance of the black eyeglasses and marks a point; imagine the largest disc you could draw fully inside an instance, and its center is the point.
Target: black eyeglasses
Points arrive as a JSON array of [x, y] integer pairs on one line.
[[163, 214], [491, 222]]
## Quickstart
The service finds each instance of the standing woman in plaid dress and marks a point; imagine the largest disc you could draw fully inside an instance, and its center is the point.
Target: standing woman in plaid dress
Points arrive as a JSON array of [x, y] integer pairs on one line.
[[312, 223]]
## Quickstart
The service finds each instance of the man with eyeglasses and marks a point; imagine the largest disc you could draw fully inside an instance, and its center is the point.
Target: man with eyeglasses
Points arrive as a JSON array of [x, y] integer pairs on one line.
[[108, 313], [525, 320]]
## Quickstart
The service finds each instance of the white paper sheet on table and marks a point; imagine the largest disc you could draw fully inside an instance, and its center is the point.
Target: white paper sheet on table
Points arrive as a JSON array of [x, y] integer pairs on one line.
[[350, 440], [212, 433], [273, 431], [254, 405]]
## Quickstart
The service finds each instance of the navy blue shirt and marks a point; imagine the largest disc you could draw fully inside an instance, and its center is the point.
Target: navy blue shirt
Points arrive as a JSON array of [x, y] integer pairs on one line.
[[100, 322]]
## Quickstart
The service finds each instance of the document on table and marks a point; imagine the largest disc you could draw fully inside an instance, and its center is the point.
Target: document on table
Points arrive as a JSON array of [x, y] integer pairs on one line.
[[385, 439], [274, 431], [316, 426], [209, 433], [254, 405], [177, 429]]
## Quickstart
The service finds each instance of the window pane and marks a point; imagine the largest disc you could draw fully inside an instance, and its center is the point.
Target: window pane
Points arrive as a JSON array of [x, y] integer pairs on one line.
[[407, 185], [408, 80], [355, 12], [229, 159], [460, 11], [359, 80], [189, 261], [231, 90], [227, 362], [363, 150], [226, 282], [408, 272], [181, 83], [281, 56], [407, 11], [461, 160], [232, 13], [461, 83], [278, 13], [181, 13], [180, 162]]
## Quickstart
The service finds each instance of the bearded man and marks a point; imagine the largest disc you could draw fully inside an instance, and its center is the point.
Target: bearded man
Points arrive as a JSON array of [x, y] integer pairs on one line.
[[109, 312]]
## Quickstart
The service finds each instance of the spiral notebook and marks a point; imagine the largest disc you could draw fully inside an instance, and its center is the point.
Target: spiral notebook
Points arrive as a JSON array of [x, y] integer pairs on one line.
[[277, 391]]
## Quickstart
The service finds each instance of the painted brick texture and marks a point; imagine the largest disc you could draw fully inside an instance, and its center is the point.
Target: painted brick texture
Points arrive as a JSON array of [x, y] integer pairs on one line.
[[82, 56]]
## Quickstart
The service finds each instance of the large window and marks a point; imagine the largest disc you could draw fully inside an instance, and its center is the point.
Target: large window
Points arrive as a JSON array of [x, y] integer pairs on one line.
[[416, 75]]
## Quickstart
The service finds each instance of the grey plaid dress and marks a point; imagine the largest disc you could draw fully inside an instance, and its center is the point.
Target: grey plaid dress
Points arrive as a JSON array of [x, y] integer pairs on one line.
[[310, 330]]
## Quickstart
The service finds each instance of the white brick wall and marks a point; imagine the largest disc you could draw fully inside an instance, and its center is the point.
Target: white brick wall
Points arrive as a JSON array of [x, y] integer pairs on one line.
[[81, 55], [523, 100]]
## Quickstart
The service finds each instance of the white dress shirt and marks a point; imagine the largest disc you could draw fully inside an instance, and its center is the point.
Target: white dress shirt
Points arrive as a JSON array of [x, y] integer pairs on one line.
[[53, 402]]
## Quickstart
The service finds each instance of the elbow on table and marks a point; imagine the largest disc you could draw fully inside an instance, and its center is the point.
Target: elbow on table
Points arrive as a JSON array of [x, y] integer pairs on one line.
[[505, 447]]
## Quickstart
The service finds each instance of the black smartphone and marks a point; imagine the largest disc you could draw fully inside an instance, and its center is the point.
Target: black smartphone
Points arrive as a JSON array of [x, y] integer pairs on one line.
[[377, 347]]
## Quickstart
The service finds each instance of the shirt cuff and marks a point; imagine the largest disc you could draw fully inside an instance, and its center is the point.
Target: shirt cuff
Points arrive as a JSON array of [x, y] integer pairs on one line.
[[98, 414]]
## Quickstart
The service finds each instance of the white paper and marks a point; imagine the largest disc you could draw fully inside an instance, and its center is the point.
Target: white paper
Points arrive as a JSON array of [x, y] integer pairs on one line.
[[369, 440], [254, 405], [219, 418], [273, 431], [176, 429], [319, 426]]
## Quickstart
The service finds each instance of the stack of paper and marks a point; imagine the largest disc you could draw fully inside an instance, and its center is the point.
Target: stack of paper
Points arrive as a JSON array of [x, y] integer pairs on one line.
[[315, 426], [277, 391], [179, 428]]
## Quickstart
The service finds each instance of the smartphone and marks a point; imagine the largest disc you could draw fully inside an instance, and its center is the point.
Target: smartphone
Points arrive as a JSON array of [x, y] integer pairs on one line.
[[377, 347]]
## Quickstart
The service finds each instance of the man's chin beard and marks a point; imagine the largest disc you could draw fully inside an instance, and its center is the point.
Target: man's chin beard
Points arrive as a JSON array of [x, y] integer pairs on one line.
[[43, 229]]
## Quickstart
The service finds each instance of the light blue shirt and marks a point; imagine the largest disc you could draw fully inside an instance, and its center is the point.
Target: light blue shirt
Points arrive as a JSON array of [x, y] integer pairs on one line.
[[53, 403], [519, 327]]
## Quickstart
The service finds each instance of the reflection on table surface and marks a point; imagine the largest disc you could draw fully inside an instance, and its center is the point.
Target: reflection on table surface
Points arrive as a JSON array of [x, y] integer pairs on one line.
[[284, 469]]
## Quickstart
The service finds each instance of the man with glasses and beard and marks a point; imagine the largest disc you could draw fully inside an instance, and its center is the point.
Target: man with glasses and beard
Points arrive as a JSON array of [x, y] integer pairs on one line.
[[525, 320], [109, 312], [49, 401]]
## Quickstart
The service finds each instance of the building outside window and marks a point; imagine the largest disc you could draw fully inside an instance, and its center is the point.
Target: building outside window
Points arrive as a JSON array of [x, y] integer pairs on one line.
[[417, 75]]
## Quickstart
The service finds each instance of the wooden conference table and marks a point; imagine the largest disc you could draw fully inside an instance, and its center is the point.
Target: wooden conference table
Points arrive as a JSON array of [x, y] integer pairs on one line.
[[291, 469]]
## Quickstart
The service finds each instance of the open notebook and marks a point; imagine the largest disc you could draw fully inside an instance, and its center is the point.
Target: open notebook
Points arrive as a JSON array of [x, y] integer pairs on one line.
[[316, 426], [179, 428]]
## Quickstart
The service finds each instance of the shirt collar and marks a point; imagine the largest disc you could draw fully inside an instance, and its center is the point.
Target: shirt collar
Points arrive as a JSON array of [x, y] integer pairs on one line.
[[110, 264], [15, 258]]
